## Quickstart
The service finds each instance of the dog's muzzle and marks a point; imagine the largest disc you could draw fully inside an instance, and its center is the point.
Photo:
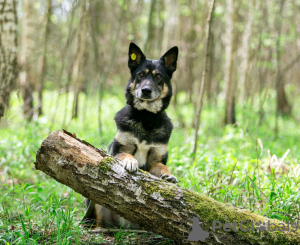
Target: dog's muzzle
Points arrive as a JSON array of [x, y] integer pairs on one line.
[[146, 92]]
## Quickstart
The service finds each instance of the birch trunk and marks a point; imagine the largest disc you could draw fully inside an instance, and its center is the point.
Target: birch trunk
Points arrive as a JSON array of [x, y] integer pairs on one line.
[[8, 51]]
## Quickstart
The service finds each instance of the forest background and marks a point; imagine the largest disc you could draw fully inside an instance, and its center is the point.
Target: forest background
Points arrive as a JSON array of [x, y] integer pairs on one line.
[[68, 69]]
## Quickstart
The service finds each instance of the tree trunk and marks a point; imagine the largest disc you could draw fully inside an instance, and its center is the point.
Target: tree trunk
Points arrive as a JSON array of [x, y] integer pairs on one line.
[[8, 51], [109, 65], [43, 60], [211, 69], [263, 20], [230, 103], [171, 38], [171, 24], [160, 28], [157, 205], [149, 43], [246, 51], [27, 57], [81, 46], [191, 55], [204, 75], [283, 106], [155, 29]]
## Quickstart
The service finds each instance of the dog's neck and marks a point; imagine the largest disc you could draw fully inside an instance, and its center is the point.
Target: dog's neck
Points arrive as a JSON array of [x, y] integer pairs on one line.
[[153, 107], [150, 106], [147, 113], [148, 119]]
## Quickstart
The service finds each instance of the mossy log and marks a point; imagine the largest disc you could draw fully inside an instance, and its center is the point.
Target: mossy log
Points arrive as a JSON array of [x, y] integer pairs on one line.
[[157, 205]]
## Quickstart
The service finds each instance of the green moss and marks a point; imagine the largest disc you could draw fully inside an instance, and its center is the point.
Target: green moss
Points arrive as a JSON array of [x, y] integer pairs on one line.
[[151, 187], [210, 210], [144, 172], [106, 163]]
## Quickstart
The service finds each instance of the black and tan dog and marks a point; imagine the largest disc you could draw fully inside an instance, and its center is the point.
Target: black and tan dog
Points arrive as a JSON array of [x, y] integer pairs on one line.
[[144, 129]]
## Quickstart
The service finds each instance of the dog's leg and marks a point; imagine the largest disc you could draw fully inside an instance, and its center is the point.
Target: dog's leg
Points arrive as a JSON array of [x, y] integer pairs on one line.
[[90, 217], [118, 150], [160, 170], [129, 162], [99, 216]]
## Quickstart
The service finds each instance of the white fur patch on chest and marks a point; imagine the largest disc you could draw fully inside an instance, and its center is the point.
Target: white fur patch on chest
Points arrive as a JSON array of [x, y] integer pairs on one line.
[[153, 106], [142, 148]]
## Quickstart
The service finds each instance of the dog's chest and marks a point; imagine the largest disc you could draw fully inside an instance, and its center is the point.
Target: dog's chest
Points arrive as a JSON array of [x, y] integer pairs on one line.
[[143, 149]]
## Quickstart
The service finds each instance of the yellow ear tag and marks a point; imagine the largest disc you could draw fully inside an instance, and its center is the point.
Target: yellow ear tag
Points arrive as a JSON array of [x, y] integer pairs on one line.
[[133, 56]]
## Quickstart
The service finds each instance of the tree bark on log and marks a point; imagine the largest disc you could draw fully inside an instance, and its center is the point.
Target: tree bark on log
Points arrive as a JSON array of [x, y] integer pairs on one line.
[[157, 205]]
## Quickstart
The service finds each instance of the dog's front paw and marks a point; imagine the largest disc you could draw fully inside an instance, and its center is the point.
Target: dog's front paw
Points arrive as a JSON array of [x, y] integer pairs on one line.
[[131, 164], [170, 178]]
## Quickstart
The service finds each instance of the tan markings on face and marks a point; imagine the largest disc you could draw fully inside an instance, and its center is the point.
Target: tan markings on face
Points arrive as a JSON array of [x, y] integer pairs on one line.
[[164, 91], [154, 72], [132, 86], [146, 71]]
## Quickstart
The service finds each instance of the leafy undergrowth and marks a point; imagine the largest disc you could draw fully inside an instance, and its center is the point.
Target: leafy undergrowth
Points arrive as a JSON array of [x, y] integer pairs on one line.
[[240, 165]]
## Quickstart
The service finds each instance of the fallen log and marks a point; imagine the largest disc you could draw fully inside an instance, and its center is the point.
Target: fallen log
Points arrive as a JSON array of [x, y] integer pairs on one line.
[[157, 205]]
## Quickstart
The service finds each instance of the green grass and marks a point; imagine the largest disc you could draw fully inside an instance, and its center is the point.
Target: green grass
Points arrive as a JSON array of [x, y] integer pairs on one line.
[[232, 165]]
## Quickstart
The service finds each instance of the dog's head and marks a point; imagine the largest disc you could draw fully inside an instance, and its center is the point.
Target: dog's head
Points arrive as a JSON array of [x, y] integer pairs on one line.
[[149, 87]]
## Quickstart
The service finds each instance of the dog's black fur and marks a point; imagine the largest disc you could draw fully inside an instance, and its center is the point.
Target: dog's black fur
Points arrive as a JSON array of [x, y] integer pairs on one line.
[[144, 129]]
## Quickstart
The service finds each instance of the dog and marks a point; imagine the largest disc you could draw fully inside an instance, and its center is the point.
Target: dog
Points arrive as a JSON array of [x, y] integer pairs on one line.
[[143, 127]]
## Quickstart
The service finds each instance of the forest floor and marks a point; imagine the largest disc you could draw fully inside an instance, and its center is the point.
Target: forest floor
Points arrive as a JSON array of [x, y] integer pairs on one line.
[[238, 164], [127, 237]]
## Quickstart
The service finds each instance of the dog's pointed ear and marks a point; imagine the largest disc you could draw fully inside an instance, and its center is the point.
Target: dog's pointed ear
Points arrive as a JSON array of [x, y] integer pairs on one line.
[[170, 59], [135, 56]]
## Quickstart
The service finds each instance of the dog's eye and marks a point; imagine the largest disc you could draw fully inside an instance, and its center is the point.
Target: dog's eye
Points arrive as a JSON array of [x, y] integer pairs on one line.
[[157, 76], [141, 74]]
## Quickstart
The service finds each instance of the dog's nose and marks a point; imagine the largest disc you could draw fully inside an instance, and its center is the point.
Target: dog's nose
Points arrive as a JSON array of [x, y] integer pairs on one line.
[[146, 91]]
